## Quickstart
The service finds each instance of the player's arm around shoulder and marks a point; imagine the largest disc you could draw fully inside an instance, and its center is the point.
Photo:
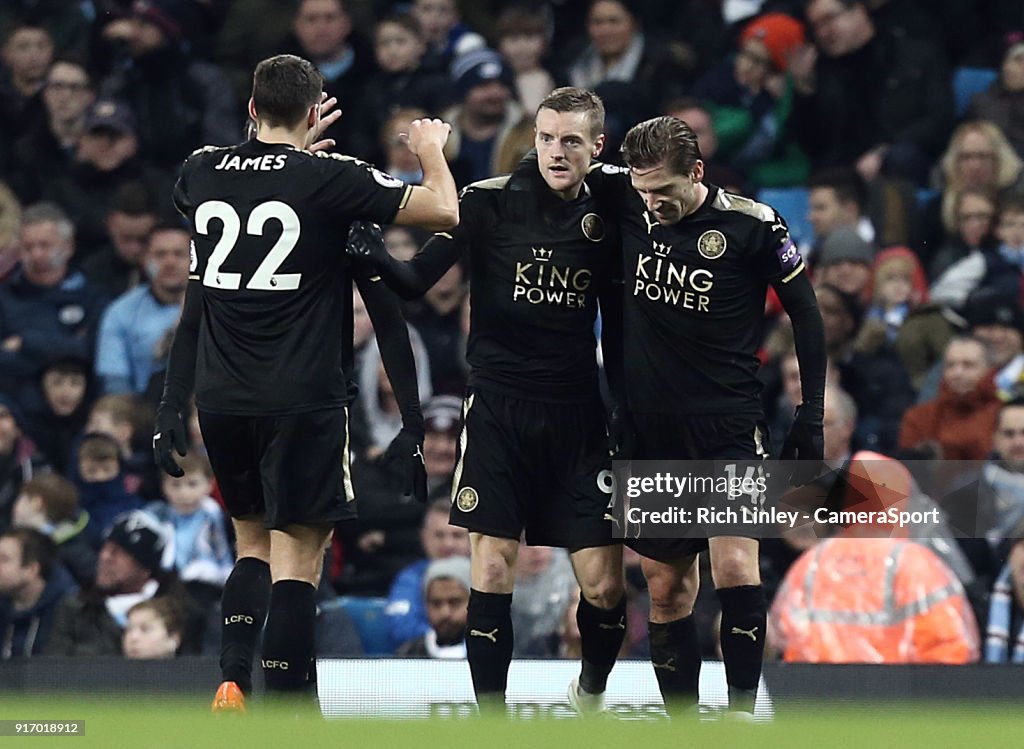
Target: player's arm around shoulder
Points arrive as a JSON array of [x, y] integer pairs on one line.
[[434, 204]]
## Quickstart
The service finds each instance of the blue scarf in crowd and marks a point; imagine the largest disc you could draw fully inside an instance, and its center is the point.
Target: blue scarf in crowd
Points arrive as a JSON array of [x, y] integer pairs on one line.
[[1000, 617]]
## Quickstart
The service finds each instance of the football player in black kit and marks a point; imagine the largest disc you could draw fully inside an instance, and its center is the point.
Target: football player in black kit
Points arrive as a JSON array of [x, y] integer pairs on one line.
[[533, 451], [697, 262], [263, 340]]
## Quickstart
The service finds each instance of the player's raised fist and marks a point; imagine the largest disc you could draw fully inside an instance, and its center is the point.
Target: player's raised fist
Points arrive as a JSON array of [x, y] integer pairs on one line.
[[427, 133]]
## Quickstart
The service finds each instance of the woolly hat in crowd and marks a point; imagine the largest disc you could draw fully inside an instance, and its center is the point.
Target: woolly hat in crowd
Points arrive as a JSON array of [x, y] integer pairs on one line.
[[455, 568], [845, 244], [142, 536], [988, 307], [779, 33], [478, 67], [442, 413]]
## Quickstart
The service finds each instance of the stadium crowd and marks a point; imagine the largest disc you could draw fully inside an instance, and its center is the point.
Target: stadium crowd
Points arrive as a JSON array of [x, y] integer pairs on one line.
[[889, 134]]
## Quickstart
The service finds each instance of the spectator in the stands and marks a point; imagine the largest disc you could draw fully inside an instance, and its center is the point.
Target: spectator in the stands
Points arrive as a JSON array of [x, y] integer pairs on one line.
[[131, 216], [975, 211], [436, 318], [48, 503], [401, 81], [133, 327], [406, 615], [837, 197], [127, 418], [998, 269], [751, 97], [1004, 633], [20, 460], [958, 424], [32, 586], [1002, 103], [49, 149], [489, 131], [446, 35], [523, 32], [998, 321], [324, 35], [631, 70], [59, 408], [130, 570], [100, 482], [25, 54], [866, 96], [978, 156], [875, 380], [154, 629], [47, 309], [107, 158], [202, 554], [181, 101], [445, 593], [845, 261]]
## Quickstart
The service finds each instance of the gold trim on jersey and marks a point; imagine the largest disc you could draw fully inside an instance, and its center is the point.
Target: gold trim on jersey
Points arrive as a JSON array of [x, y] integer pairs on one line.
[[726, 201], [192, 277], [463, 443], [405, 197], [795, 273], [346, 465]]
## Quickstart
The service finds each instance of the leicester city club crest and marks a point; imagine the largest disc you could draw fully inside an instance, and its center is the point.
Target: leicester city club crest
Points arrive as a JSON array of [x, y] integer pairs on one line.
[[467, 499], [711, 244], [593, 227]]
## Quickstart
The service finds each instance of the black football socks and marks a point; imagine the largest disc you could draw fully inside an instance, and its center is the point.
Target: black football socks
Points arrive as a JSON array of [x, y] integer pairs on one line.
[[675, 655], [244, 605], [489, 647], [744, 618], [601, 635]]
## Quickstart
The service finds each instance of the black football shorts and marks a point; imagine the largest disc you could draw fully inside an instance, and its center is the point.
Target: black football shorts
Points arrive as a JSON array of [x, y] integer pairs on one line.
[[291, 469], [542, 467], [694, 437]]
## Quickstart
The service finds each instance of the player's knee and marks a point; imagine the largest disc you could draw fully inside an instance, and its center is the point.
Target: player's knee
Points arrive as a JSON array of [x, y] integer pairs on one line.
[[604, 593], [493, 572], [737, 568], [671, 596]]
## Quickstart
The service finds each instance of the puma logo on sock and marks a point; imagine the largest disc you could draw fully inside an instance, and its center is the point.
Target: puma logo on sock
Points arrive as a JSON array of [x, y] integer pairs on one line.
[[621, 624], [492, 635], [748, 632], [669, 665]]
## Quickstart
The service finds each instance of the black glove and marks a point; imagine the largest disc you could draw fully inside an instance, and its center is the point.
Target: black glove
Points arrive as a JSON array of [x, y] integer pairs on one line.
[[805, 442], [621, 434], [405, 457], [169, 434], [366, 240]]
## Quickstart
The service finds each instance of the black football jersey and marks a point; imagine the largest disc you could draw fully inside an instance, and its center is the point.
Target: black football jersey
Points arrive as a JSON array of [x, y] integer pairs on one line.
[[695, 297], [269, 226], [538, 265]]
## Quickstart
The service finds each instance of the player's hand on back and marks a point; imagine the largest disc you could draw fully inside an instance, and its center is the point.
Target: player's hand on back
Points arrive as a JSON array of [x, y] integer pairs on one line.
[[426, 134], [366, 240], [327, 118], [404, 457], [169, 435]]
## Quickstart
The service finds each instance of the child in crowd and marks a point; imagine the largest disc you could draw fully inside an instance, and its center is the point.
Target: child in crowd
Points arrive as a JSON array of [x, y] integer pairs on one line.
[[58, 417], [48, 503], [101, 485], [154, 630], [523, 41], [202, 555], [897, 286]]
